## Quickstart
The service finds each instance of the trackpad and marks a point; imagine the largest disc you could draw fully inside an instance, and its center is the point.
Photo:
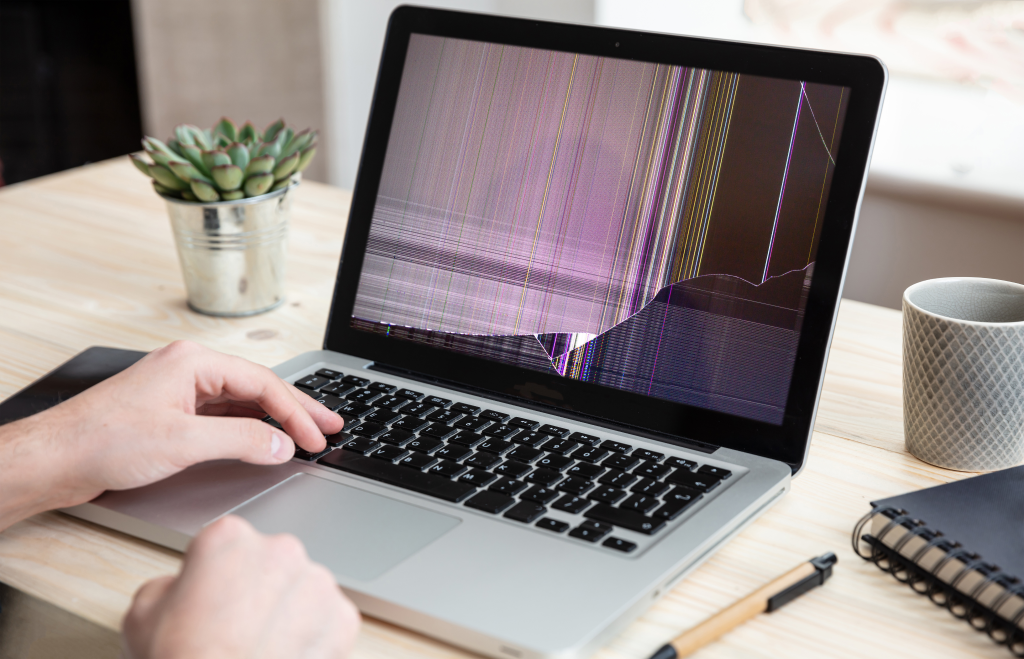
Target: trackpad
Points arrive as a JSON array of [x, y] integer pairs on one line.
[[353, 532]]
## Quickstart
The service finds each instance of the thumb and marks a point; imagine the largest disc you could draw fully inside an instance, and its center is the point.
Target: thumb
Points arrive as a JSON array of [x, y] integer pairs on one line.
[[248, 440]]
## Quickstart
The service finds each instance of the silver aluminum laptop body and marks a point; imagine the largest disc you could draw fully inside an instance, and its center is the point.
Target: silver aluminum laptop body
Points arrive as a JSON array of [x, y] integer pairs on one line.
[[494, 585]]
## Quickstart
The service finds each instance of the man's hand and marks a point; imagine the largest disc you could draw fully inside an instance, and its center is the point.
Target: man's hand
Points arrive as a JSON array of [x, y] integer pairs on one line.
[[241, 594], [178, 406]]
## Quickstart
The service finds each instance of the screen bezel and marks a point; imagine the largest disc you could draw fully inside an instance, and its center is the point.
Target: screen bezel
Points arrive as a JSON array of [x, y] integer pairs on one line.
[[788, 442]]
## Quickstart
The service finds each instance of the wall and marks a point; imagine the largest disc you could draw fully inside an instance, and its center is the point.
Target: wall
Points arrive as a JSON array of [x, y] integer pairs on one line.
[[246, 59]]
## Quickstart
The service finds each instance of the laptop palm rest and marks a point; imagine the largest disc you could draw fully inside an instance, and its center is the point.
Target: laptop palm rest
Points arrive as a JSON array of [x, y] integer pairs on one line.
[[352, 532]]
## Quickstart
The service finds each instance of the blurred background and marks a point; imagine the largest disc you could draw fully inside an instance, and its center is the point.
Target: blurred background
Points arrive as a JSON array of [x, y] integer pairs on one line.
[[82, 80]]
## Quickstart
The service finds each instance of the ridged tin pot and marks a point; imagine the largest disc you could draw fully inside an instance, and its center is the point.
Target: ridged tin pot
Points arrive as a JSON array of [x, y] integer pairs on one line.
[[233, 253]]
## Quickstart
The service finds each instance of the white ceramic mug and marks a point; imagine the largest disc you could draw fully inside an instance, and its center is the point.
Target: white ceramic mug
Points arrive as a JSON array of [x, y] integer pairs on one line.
[[963, 372]]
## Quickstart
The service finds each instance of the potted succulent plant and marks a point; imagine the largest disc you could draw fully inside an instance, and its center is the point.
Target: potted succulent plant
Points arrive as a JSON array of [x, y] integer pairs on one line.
[[228, 194]]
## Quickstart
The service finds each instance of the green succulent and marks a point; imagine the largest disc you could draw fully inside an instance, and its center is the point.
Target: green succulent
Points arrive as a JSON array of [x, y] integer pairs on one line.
[[226, 162]]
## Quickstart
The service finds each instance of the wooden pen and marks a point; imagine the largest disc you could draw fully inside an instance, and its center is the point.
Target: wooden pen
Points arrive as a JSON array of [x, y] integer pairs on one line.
[[767, 598]]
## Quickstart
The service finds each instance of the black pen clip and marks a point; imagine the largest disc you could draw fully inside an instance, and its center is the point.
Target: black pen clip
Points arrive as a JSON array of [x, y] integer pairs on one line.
[[823, 571]]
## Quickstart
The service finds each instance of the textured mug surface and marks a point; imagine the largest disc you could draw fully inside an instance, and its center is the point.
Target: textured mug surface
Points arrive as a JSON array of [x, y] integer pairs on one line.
[[963, 372]]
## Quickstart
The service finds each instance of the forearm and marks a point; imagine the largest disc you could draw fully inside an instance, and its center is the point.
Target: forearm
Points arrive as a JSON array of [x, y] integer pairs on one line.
[[30, 465]]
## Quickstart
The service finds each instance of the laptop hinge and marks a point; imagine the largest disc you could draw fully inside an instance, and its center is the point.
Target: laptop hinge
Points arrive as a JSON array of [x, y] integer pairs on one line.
[[682, 442]]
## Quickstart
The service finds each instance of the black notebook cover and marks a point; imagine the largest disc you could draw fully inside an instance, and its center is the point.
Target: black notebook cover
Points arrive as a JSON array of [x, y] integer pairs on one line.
[[985, 514]]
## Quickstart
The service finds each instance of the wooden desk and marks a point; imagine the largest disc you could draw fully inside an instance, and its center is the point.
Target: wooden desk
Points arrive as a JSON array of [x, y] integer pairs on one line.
[[87, 258]]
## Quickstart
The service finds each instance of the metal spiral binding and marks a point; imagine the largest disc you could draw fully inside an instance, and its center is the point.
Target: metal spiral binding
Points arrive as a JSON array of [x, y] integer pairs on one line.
[[1001, 630]]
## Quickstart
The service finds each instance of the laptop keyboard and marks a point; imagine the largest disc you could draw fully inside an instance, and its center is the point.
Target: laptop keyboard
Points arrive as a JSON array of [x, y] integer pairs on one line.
[[501, 464]]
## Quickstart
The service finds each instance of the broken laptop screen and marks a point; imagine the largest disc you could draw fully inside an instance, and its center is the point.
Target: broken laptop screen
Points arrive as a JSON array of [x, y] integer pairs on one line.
[[641, 226]]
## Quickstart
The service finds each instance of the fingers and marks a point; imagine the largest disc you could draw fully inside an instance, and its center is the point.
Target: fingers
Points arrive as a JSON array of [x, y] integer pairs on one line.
[[326, 420], [142, 616], [249, 440]]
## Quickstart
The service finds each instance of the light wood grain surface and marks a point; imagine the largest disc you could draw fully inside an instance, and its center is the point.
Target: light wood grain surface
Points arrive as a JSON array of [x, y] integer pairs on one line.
[[87, 258]]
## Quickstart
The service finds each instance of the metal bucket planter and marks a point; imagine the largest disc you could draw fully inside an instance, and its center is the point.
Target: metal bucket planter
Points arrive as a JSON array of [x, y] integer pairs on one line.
[[232, 253]]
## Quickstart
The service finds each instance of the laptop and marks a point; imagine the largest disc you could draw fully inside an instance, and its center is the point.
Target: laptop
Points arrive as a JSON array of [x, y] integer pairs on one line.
[[579, 329]]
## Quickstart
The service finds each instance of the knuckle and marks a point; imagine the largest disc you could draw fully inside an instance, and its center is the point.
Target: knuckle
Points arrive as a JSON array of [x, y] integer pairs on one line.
[[286, 547]]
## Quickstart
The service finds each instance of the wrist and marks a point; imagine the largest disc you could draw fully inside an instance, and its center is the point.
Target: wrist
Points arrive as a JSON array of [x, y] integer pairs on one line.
[[31, 469]]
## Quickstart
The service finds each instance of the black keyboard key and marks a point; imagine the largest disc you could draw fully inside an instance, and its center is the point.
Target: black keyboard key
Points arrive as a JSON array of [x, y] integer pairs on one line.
[[617, 478], [389, 402], [680, 463], [303, 454], [362, 396], [584, 438], [438, 430], [369, 429], [466, 438], [478, 477], [607, 494], [453, 452], [315, 395], [443, 416], [544, 477], [360, 445], [508, 486], [482, 461], [400, 476], [627, 519], [683, 494], [465, 408], [339, 389], [500, 431], [653, 456], [616, 447], [530, 438], [557, 431], [591, 531], [410, 423], [653, 470], [520, 422], [526, 512], [348, 418], [574, 485], [332, 402], [524, 454], [313, 382], [549, 524], [493, 415], [356, 409], [330, 374], [649, 487], [447, 468], [496, 446], [472, 423], [621, 462], [395, 437], [389, 453], [424, 444], [437, 401], [409, 393], [415, 409], [571, 503], [381, 416], [337, 439], [641, 503], [382, 387], [512, 469], [417, 461], [687, 478], [560, 446], [589, 454], [674, 507], [490, 502], [584, 470], [620, 544], [540, 494], [355, 380], [556, 462], [712, 472]]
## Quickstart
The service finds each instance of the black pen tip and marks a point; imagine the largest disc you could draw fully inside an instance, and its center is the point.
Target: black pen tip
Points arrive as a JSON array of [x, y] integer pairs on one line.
[[665, 652]]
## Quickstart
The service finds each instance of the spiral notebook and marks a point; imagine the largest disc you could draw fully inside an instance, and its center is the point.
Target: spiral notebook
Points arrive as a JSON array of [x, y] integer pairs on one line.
[[960, 544]]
